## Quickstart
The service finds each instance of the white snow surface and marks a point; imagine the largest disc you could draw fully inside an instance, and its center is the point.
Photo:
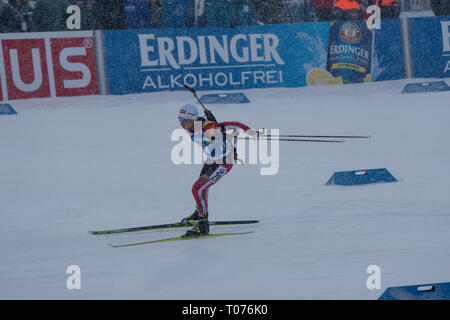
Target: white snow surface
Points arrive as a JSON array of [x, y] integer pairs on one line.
[[70, 165]]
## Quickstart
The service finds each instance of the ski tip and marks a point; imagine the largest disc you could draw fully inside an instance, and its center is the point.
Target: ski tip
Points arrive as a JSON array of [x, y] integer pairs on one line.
[[96, 233], [111, 245]]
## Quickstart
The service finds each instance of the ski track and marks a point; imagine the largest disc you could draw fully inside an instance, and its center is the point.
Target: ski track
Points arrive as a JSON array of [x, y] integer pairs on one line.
[[70, 165]]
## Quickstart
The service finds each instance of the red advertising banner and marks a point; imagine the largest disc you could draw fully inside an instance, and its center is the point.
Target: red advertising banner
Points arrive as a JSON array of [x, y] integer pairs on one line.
[[74, 66], [26, 68], [1, 89], [41, 65]]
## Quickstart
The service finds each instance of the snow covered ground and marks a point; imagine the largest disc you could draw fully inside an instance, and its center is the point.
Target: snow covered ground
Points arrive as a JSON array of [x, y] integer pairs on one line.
[[69, 165]]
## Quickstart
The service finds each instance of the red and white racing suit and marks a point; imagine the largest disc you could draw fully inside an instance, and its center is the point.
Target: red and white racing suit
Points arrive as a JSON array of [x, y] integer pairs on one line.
[[218, 150]]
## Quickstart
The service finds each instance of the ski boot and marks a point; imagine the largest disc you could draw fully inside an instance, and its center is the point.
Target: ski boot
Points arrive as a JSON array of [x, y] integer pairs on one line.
[[201, 228], [191, 219]]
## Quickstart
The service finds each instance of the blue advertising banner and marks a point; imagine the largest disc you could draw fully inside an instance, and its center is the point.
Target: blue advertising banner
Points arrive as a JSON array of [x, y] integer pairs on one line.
[[387, 60], [285, 55], [350, 51], [430, 46]]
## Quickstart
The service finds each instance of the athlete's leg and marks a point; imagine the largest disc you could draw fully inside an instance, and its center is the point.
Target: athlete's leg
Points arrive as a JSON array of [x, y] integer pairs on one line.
[[211, 173]]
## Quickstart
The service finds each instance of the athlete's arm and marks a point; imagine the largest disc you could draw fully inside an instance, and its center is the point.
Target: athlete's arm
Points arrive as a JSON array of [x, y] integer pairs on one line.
[[234, 125]]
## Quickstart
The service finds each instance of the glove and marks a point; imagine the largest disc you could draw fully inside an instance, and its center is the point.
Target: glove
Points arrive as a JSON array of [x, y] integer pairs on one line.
[[254, 133], [209, 115]]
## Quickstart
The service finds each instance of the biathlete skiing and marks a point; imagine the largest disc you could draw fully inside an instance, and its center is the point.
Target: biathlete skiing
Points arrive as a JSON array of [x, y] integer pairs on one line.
[[221, 154]]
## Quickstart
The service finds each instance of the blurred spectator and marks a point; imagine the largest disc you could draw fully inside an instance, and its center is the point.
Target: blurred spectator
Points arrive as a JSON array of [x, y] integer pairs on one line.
[[178, 13], [137, 14], [323, 9], [156, 7], [441, 7], [10, 19], [16, 16], [25, 12], [389, 8], [201, 7], [273, 11], [50, 15], [300, 10], [346, 10], [112, 14], [231, 13]]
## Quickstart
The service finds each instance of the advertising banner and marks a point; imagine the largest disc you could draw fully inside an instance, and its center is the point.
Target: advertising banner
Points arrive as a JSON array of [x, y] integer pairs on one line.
[[430, 47], [350, 51], [41, 65], [289, 55]]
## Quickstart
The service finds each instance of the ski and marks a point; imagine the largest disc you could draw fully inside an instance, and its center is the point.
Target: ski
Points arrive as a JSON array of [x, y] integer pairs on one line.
[[214, 235], [170, 226]]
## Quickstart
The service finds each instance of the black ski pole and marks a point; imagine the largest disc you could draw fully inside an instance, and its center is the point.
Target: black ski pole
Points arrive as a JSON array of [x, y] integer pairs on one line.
[[208, 113], [313, 136], [293, 139]]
